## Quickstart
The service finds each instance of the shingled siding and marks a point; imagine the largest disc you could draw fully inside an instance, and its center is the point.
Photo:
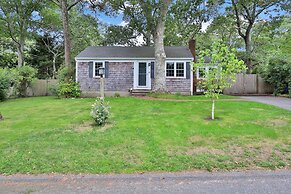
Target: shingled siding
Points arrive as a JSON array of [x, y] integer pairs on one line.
[[181, 85], [120, 77]]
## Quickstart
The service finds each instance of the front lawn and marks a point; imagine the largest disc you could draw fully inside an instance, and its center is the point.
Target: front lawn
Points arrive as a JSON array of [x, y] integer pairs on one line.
[[44, 135]]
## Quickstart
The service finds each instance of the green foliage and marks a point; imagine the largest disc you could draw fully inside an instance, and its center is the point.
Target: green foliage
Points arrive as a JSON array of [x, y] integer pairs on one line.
[[116, 95], [100, 111], [46, 55], [222, 70], [278, 74], [8, 77], [64, 74], [66, 87], [89, 35], [223, 66], [26, 75], [69, 89]]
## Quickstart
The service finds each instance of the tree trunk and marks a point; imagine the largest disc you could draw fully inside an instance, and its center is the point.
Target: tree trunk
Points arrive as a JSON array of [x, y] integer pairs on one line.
[[54, 66], [67, 40], [212, 112], [20, 53], [160, 55], [192, 48], [248, 48]]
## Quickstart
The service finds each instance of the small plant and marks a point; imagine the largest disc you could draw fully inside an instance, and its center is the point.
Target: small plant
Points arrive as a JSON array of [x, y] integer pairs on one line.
[[100, 111], [116, 95], [223, 68]]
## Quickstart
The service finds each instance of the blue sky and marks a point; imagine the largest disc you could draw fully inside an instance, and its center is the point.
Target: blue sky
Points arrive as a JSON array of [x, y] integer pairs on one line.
[[110, 20]]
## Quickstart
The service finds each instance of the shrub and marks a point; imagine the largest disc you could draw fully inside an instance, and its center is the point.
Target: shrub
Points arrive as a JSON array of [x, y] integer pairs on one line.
[[8, 77], [100, 111], [116, 95], [67, 87], [26, 75], [277, 73]]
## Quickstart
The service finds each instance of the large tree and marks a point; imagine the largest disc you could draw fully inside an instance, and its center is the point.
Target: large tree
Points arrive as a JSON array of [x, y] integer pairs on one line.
[[148, 18], [247, 13], [185, 20], [18, 17], [65, 6]]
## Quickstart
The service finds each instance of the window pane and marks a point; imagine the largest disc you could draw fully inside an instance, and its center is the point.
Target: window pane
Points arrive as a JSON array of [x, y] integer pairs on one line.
[[180, 73], [170, 73], [180, 66], [170, 69], [170, 65], [179, 69], [97, 66]]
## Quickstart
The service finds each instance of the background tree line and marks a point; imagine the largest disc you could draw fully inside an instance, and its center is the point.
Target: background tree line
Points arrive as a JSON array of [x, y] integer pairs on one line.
[[49, 34]]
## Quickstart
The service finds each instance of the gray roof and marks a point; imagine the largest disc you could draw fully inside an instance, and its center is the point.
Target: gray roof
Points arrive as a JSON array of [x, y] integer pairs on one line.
[[132, 52]]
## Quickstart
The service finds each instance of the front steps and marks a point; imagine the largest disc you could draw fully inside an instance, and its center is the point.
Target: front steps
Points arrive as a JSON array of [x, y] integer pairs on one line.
[[140, 92]]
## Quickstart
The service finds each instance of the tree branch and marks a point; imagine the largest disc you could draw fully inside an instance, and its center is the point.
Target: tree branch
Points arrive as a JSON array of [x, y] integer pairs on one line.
[[238, 23], [56, 2], [73, 4]]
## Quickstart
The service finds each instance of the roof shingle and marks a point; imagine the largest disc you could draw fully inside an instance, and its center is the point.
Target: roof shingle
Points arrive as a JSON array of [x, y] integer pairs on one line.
[[132, 52]]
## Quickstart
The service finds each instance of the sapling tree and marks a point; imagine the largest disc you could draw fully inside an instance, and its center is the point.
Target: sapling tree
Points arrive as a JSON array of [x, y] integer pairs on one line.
[[220, 72]]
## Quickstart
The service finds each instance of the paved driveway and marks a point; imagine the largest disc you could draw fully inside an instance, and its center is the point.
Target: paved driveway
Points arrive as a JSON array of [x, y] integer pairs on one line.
[[281, 102], [189, 182]]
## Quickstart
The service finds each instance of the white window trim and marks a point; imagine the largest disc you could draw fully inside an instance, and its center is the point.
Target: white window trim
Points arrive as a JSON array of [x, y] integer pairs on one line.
[[175, 68], [94, 67]]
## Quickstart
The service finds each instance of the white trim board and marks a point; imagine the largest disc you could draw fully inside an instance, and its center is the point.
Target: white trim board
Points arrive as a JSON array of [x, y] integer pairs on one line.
[[128, 59]]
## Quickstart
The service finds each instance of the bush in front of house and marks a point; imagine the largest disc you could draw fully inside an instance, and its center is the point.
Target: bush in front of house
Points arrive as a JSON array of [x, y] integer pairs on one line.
[[69, 89], [100, 111], [66, 87]]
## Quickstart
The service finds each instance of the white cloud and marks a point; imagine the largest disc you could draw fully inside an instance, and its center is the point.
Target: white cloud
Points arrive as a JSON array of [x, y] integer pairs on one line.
[[205, 26], [139, 40], [123, 23]]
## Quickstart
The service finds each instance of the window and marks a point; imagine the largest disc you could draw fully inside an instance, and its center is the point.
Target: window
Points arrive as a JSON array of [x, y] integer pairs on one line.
[[97, 65], [175, 69], [170, 69], [180, 69]]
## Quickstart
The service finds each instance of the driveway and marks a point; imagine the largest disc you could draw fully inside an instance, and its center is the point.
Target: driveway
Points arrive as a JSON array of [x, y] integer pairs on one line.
[[188, 182], [281, 102]]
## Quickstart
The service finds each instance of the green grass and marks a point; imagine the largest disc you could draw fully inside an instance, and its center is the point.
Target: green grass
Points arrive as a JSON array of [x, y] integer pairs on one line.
[[178, 96], [45, 135]]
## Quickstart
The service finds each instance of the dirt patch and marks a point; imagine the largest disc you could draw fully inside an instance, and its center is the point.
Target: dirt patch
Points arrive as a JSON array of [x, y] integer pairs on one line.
[[277, 122], [1, 117], [259, 109], [210, 119], [89, 125], [203, 150]]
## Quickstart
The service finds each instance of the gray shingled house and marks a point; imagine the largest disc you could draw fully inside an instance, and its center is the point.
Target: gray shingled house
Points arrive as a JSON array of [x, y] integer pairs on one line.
[[132, 69]]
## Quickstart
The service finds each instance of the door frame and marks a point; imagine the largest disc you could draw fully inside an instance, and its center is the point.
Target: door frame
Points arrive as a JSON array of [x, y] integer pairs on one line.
[[136, 74]]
